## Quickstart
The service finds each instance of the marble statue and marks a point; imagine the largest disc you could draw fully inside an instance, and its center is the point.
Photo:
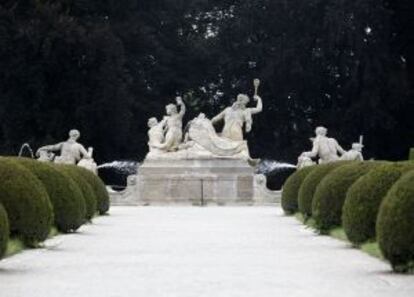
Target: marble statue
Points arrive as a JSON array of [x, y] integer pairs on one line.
[[239, 115], [202, 136], [155, 134], [325, 148], [172, 125], [304, 161], [88, 162], [355, 154], [71, 152]]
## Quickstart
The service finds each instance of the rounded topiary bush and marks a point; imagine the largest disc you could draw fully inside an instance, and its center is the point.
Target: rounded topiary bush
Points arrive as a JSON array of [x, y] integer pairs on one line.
[[360, 210], [4, 231], [26, 201], [331, 192], [86, 189], [99, 188], [291, 189], [68, 203], [308, 187], [395, 232]]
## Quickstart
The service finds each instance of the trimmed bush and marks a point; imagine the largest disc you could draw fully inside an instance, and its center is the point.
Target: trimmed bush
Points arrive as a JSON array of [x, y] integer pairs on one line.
[[66, 197], [395, 223], [99, 188], [331, 192], [26, 202], [291, 189], [360, 210], [86, 189], [308, 187], [4, 231]]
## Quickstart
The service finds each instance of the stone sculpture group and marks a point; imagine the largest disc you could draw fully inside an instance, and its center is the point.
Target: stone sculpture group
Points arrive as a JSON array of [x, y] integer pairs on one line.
[[200, 139], [327, 150], [70, 152]]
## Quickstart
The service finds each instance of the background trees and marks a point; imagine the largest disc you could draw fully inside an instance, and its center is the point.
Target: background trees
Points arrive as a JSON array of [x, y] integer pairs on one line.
[[106, 66]]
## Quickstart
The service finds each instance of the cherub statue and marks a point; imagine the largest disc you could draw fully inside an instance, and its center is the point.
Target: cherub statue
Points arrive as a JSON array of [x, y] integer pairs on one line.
[[155, 133], [71, 152], [173, 124]]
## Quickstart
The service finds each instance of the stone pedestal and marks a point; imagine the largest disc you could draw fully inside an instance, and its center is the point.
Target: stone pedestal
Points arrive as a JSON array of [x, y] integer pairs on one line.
[[194, 182]]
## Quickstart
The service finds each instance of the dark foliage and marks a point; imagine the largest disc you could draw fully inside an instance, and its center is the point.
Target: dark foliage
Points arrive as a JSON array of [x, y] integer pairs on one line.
[[26, 202], [360, 210], [68, 204], [291, 189], [309, 185], [86, 189], [105, 66], [330, 194], [101, 194], [395, 224], [4, 231]]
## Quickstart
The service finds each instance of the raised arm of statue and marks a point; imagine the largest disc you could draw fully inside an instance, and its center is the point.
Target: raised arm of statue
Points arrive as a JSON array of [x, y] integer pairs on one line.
[[182, 106], [259, 106]]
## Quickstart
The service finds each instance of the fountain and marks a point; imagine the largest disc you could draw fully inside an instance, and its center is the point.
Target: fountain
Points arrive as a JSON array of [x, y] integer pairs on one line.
[[29, 149]]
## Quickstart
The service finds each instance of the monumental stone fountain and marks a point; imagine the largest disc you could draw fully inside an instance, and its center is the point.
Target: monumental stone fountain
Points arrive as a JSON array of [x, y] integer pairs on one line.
[[198, 165]]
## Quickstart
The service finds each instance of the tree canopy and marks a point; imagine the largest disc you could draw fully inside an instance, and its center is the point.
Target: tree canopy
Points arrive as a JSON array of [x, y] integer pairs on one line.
[[106, 66]]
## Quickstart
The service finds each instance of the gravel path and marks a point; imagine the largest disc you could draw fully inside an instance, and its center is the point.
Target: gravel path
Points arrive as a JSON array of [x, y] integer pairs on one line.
[[190, 251]]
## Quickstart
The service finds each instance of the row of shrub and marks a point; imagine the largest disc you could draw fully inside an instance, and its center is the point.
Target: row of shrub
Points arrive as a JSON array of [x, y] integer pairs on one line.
[[36, 196], [372, 201]]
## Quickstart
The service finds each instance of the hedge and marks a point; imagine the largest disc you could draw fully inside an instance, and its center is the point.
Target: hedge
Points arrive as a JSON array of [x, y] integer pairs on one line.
[[291, 189], [360, 210], [66, 197], [308, 187], [86, 189], [4, 231], [331, 192], [395, 223], [26, 201], [99, 188]]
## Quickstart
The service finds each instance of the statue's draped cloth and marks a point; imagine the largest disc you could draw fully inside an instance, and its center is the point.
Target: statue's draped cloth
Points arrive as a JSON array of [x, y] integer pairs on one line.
[[202, 132]]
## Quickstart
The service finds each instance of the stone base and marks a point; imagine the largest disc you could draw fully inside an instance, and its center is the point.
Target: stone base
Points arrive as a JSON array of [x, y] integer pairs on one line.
[[194, 182]]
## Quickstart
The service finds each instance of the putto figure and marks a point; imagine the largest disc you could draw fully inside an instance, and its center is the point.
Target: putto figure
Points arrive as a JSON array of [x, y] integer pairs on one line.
[[172, 125], [71, 152]]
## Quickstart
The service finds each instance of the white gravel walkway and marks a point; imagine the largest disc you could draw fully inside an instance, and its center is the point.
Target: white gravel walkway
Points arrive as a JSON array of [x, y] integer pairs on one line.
[[191, 251]]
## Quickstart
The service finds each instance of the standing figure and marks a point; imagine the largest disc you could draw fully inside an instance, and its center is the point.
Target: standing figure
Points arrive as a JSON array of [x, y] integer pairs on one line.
[[236, 116], [71, 152], [327, 149], [173, 125]]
